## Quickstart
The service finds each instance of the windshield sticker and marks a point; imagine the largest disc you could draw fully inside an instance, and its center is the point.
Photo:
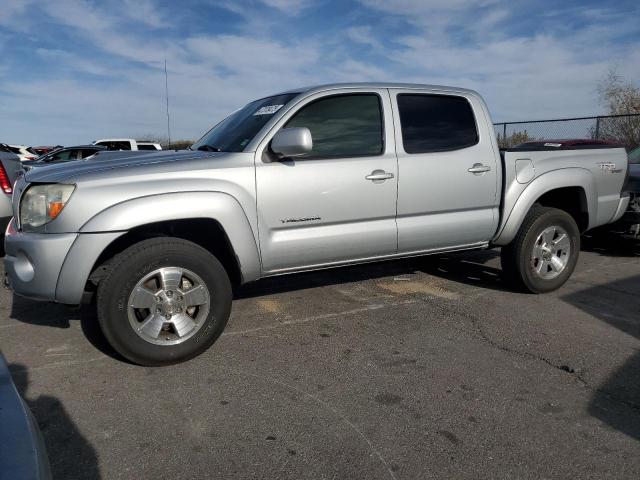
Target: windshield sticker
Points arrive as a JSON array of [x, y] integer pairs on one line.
[[269, 110]]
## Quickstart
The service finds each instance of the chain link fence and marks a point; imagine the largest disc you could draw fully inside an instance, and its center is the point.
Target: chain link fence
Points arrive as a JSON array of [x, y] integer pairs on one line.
[[624, 129]]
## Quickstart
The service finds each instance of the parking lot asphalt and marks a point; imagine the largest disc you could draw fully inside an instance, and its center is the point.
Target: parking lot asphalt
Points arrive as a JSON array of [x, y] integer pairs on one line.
[[421, 368]]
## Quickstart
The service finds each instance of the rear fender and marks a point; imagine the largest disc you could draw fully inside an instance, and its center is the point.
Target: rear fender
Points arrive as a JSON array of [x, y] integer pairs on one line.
[[517, 209]]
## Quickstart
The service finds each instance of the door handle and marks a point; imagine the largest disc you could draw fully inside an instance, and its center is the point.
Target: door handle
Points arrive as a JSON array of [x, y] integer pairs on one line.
[[479, 168], [379, 176]]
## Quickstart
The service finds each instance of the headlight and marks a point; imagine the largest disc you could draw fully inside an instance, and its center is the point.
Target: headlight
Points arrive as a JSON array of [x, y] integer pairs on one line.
[[42, 203]]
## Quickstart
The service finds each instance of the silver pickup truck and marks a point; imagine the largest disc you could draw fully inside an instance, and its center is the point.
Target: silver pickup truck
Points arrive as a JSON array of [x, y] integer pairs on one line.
[[306, 179]]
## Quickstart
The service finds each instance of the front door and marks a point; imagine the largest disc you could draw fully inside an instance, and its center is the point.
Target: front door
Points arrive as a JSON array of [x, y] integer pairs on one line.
[[338, 203]]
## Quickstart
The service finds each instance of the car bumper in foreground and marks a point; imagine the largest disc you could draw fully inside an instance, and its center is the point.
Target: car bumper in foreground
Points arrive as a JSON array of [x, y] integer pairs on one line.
[[23, 454]]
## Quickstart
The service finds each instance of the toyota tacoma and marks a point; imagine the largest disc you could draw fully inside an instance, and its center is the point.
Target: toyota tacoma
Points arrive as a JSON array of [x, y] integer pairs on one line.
[[306, 179]]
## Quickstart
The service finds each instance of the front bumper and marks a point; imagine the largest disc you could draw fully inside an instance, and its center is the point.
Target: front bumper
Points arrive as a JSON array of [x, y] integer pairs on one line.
[[32, 262], [52, 267]]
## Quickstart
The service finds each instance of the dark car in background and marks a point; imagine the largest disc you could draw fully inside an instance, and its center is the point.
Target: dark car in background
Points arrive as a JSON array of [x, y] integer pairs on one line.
[[43, 150], [67, 154], [630, 221], [565, 143]]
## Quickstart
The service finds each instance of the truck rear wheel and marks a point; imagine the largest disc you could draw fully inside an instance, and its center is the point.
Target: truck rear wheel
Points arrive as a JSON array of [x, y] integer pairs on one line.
[[545, 251], [163, 301]]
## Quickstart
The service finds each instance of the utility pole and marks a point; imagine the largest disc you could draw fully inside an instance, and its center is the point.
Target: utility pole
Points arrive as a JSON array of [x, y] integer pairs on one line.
[[166, 89]]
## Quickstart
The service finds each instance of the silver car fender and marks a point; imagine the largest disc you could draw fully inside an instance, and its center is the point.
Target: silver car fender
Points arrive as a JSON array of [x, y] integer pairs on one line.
[[518, 207], [113, 222]]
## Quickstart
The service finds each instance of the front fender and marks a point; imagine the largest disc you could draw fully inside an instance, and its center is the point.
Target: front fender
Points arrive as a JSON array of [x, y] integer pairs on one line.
[[219, 206], [516, 208], [115, 220]]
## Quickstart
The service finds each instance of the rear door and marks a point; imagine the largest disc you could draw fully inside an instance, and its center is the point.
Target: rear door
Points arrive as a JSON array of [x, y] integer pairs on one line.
[[448, 176], [338, 204]]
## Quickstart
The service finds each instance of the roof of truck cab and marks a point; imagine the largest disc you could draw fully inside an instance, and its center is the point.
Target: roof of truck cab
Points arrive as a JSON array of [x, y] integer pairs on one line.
[[407, 86]]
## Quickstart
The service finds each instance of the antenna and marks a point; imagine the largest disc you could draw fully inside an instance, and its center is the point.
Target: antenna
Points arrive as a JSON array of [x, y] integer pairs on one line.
[[166, 89]]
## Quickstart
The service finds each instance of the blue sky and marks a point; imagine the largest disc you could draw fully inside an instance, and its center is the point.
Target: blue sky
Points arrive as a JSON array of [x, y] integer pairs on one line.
[[76, 70]]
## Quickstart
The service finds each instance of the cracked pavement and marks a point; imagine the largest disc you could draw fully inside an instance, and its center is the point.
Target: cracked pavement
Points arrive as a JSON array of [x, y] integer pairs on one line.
[[421, 368]]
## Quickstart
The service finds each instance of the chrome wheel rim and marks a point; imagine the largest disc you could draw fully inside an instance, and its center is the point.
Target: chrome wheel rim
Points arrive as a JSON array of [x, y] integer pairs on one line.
[[551, 252], [168, 306]]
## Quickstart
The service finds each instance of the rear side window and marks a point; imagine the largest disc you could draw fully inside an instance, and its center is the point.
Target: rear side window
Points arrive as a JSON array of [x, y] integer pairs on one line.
[[64, 156], [146, 146], [115, 145], [436, 123], [87, 153], [343, 125]]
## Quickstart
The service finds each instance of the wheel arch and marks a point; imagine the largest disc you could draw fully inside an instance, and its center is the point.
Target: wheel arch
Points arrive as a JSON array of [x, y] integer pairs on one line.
[[572, 190], [213, 220]]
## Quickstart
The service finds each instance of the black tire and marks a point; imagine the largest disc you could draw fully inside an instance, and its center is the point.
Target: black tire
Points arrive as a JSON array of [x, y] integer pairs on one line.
[[127, 268], [516, 257]]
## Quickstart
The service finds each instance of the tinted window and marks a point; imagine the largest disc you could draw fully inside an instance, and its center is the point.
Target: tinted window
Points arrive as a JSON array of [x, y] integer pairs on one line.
[[435, 123], [116, 145], [343, 126], [87, 153], [64, 156], [236, 131], [144, 146]]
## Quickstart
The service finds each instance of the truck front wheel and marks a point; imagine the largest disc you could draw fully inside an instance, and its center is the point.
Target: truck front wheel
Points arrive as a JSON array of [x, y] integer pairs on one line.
[[544, 253], [163, 301]]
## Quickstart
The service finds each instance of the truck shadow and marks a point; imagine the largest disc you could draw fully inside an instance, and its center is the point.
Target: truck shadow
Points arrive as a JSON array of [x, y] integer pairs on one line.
[[60, 316], [616, 401], [70, 454], [610, 244], [464, 267]]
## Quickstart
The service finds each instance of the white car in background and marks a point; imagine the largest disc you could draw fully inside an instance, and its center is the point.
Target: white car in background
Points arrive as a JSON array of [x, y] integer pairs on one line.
[[127, 144], [23, 152]]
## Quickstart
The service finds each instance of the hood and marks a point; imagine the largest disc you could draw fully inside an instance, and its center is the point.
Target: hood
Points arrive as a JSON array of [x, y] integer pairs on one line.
[[113, 161]]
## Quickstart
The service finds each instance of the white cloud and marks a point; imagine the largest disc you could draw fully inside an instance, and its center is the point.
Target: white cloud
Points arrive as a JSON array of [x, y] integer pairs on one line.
[[458, 42], [524, 75], [290, 7], [143, 11], [13, 14], [364, 35]]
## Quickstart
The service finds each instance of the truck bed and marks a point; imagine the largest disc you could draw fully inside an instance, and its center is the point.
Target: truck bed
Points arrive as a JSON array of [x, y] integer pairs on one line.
[[597, 169]]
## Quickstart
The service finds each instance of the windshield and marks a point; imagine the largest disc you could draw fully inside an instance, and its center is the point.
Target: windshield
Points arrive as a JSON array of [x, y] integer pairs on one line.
[[634, 156], [238, 129]]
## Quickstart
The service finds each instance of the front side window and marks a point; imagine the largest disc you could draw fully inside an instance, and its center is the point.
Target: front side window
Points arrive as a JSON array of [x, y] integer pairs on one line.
[[343, 125], [436, 123], [235, 132], [64, 156]]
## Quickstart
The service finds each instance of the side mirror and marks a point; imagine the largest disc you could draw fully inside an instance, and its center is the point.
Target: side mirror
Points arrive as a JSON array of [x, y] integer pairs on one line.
[[292, 142]]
